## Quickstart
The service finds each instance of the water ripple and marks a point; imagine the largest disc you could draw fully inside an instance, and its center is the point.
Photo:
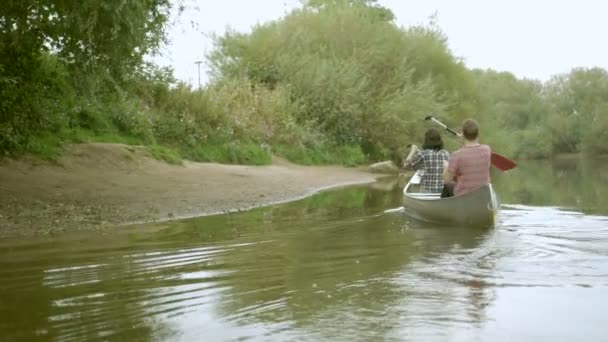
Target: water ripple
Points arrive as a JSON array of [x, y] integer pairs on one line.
[[367, 276]]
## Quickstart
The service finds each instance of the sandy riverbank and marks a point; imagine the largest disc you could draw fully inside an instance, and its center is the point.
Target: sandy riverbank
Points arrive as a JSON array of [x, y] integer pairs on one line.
[[95, 186]]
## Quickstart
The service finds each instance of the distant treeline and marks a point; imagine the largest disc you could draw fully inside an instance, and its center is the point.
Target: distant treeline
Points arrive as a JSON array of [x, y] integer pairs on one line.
[[334, 81]]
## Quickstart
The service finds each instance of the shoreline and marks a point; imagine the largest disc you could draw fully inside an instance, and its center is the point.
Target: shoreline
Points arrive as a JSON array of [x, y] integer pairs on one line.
[[254, 206], [100, 186]]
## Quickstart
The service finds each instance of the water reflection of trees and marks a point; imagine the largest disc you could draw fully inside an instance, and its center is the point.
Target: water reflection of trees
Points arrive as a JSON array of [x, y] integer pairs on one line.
[[574, 183], [315, 265], [353, 202]]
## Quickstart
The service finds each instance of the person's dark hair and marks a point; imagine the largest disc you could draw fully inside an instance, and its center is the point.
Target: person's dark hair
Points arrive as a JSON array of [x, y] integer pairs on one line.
[[432, 140], [470, 129]]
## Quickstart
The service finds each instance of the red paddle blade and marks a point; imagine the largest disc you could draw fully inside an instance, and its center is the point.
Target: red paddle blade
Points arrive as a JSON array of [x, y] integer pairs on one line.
[[501, 162]]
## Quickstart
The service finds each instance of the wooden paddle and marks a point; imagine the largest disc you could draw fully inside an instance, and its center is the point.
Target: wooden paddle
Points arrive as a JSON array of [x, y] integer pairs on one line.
[[500, 162]]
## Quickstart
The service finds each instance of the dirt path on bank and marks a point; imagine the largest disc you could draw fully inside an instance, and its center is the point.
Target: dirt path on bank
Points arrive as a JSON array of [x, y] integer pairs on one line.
[[94, 186]]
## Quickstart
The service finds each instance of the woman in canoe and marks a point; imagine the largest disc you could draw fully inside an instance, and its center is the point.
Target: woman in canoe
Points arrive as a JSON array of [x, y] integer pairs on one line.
[[431, 159]]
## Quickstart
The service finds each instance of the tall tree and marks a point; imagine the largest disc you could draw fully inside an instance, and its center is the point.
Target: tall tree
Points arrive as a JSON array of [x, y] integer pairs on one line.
[[378, 11], [361, 80], [45, 44], [579, 107], [110, 34]]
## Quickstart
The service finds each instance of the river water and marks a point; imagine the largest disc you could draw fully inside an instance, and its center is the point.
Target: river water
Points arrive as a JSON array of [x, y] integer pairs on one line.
[[339, 266]]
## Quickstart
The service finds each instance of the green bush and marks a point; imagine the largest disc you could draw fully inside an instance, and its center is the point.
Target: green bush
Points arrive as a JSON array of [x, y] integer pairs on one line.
[[35, 106], [46, 146], [131, 119], [594, 143], [534, 144], [362, 80]]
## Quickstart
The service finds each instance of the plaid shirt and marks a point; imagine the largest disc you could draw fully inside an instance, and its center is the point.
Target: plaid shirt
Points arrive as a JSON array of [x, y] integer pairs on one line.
[[431, 161]]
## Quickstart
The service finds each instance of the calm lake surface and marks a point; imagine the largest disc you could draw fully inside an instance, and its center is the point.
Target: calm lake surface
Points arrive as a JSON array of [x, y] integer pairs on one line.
[[339, 266]]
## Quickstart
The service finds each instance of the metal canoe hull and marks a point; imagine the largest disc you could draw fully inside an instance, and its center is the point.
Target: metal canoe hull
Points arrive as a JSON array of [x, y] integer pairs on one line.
[[476, 208]]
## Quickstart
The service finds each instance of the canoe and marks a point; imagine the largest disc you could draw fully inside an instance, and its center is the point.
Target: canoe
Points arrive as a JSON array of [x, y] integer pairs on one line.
[[477, 208]]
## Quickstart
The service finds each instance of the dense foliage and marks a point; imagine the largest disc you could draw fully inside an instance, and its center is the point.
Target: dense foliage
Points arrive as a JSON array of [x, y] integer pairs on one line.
[[56, 57], [567, 114], [353, 73], [335, 81]]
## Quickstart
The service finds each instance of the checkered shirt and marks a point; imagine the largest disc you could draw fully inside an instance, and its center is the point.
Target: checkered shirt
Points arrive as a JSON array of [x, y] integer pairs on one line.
[[431, 161]]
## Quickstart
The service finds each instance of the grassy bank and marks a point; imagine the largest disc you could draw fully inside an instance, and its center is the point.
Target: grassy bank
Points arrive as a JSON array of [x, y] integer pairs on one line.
[[233, 121]]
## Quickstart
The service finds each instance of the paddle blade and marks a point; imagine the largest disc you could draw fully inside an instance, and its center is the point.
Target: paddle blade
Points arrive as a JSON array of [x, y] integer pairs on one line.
[[501, 162]]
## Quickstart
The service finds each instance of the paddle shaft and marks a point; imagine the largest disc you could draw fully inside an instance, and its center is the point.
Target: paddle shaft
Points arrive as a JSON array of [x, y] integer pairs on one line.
[[444, 126]]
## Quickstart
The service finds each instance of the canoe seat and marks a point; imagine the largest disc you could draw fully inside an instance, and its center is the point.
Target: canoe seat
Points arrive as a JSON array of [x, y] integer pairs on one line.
[[416, 178], [424, 195]]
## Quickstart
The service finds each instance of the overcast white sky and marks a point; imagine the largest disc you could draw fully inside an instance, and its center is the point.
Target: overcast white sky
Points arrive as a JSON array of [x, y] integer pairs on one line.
[[530, 38]]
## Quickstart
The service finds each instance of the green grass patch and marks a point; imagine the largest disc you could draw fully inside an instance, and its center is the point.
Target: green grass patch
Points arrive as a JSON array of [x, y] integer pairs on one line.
[[80, 135], [49, 146], [322, 155], [166, 154], [46, 146], [234, 152]]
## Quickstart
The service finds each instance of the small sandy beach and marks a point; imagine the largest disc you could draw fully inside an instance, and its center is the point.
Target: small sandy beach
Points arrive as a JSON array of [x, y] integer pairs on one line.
[[101, 186]]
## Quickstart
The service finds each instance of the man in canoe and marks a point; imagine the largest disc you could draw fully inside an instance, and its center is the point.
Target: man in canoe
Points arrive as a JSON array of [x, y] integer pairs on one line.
[[430, 159], [469, 166]]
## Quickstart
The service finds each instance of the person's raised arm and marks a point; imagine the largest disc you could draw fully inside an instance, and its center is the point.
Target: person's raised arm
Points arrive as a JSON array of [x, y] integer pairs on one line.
[[408, 159]]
